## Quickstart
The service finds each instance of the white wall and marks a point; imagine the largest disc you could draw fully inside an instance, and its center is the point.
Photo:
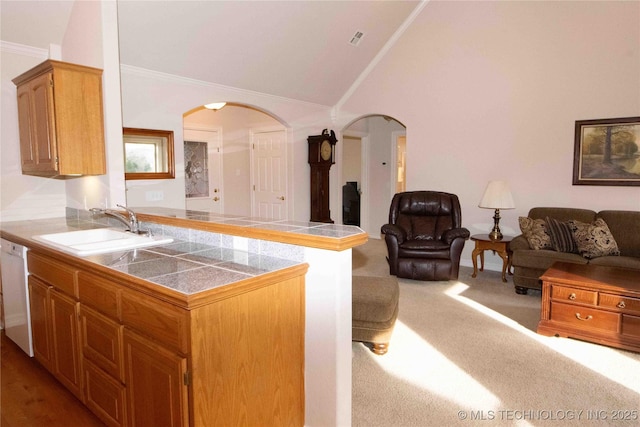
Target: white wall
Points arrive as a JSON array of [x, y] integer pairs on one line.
[[492, 90], [90, 39], [158, 101], [22, 196], [382, 170], [351, 154]]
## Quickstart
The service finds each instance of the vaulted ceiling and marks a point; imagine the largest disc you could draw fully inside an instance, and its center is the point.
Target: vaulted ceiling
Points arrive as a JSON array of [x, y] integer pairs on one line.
[[293, 49]]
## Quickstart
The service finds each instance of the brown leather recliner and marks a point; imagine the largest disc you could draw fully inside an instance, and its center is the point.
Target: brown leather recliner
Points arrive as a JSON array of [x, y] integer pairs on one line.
[[425, 236]]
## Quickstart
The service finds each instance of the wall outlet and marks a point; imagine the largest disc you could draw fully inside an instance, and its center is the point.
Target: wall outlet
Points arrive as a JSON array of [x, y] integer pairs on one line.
[[154, 196]]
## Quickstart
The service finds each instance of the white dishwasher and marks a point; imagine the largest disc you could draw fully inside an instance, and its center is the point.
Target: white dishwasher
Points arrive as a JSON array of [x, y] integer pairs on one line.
[[15, 292]]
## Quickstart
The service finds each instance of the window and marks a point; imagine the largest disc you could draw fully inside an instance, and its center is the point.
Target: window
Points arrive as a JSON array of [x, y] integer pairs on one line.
[[148, 154]]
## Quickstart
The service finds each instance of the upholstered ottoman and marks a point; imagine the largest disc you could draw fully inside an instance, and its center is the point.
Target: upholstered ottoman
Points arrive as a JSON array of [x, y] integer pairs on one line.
[[375, 310]]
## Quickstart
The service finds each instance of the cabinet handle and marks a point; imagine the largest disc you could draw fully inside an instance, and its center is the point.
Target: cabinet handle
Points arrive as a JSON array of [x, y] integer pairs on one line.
[[621, 304], [215, 199], [579, 317], [280, 198], [572, 296]]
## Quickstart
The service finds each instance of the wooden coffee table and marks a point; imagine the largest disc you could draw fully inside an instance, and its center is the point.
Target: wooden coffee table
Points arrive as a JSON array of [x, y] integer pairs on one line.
[[592, 303]]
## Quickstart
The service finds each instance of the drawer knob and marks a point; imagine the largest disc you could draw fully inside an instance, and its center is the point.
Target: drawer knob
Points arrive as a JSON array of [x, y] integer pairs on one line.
[[572, 296], [579, 317], [621, 304]]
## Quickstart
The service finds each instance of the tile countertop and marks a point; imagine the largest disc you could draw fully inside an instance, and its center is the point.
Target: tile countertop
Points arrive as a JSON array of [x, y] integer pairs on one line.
[[183, 266], [186, 266], [303, 233]]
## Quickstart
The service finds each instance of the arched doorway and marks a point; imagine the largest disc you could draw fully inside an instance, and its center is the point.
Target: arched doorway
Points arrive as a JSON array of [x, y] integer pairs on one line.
[[245, 153], [380, 143]]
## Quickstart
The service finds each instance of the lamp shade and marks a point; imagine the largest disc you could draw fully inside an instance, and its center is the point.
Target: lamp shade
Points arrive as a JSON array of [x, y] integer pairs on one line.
[[497, 196]]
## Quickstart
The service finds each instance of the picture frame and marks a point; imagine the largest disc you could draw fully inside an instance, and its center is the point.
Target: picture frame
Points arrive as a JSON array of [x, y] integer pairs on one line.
[[607, 152]]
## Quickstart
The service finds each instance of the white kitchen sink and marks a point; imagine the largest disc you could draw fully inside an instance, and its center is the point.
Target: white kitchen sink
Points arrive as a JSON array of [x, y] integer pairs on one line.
[[99, 240]]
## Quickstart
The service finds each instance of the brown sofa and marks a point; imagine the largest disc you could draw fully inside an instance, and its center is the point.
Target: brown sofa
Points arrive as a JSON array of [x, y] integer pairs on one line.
[[529, 264]]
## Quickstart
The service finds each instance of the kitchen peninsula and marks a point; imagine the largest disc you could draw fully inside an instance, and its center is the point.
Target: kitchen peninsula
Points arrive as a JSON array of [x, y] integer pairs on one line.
[[269, 252]]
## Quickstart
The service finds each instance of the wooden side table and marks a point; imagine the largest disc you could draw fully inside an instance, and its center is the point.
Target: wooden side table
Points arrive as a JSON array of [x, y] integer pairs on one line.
[[501, 247]]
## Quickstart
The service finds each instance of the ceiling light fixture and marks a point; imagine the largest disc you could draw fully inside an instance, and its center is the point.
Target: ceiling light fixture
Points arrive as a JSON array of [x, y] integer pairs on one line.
[[215, 105]]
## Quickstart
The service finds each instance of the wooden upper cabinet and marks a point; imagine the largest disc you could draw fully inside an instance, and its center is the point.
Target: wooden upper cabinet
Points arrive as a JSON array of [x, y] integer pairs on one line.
[[61, 120]]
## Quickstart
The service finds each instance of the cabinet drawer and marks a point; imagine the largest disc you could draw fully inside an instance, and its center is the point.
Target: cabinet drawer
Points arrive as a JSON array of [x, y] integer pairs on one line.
[[631, 326], [54, 273], [101, 340], [159, 320], [618, 302], [562, 293], [99, 294], [584, 318], [104, 396]]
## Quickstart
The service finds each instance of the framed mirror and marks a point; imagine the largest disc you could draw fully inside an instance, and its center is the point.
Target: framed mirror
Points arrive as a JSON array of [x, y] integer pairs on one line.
[[148, 154]]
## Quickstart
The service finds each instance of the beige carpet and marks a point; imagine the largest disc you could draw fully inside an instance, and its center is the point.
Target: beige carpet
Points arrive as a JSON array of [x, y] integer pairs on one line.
[[466, 353]]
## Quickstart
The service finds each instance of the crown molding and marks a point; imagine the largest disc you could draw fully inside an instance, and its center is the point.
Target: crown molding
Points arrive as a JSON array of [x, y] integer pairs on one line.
[[144, 72], [21, 49]]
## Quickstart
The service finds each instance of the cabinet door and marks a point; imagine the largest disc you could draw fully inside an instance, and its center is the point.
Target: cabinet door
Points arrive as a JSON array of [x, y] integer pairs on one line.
[[41, 322], [66, 345], [37, 125], [27, 150], [104, 396], [156, 393], [101, 340]]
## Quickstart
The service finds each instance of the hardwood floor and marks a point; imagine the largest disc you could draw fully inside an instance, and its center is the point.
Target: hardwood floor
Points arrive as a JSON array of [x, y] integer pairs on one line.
[[31, 397]]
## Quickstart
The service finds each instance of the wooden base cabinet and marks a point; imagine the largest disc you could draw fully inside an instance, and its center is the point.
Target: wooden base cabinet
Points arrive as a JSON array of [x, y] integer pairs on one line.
[[41, 322], [233, 356], [66, 347], [55, 326]]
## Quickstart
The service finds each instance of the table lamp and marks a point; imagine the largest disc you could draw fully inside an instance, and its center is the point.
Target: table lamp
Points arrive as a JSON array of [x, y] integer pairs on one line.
[[496, 196]]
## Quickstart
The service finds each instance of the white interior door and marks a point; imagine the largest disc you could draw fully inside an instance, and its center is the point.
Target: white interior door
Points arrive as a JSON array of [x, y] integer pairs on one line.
[[211, 200], [269, 160]]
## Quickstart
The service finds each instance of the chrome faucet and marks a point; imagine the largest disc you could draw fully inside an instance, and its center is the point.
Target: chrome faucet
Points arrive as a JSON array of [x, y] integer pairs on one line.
[[131, 222]]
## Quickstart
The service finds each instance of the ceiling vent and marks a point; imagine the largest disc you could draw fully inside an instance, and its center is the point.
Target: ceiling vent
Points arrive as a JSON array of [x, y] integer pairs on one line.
[[355, 40]]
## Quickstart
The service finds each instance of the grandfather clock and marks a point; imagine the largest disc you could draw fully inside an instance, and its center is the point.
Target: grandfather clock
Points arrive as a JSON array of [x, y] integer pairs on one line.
[[321, 157]]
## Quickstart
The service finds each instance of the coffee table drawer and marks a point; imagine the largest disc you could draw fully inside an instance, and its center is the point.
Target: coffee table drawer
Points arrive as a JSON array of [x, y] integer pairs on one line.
[[584, 318], [574, 295], [620, 302], [631, 325]]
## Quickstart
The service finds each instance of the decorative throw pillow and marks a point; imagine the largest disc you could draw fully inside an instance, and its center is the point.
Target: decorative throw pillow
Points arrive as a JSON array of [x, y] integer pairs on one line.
[[594, 240], [561, 233], [535, 231]]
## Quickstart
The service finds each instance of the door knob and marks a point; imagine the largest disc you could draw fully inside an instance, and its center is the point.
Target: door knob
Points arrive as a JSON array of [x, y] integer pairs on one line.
[[215, 199], [281, 197]]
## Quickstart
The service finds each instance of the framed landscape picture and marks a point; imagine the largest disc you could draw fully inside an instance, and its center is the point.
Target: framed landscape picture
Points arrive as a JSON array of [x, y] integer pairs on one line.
[[607, 152]]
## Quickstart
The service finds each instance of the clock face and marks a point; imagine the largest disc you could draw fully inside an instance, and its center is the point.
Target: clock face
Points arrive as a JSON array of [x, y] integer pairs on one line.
[[325, 150]]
